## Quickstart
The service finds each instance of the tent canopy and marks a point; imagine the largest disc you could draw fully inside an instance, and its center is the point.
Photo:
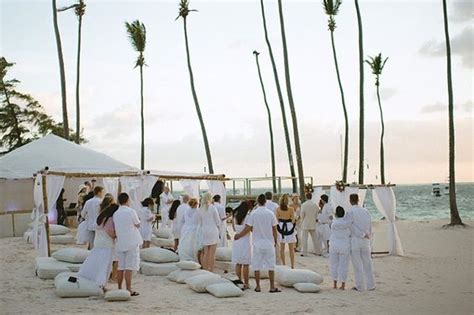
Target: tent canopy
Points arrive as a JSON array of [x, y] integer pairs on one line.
[[59, 155]]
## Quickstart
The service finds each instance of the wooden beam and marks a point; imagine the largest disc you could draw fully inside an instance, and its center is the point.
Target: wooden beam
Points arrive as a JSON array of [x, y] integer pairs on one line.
[[45, 206]]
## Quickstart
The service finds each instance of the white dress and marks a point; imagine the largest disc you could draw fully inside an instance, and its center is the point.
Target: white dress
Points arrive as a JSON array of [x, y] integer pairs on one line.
[[242, 248], [98, 264], [146, 230], [187, 248], [210, 223]]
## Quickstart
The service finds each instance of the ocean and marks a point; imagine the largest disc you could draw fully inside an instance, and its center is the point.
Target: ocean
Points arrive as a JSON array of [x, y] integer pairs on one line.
[[416, 203]]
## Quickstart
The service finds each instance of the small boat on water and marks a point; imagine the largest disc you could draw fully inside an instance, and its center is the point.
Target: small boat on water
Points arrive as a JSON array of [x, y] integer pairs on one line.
[[436, 190]]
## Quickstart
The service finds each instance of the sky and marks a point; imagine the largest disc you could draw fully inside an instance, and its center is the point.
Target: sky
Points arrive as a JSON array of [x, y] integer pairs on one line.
[[223, 34]]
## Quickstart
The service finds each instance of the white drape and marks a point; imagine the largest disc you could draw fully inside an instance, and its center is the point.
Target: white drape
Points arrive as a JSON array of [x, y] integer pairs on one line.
[[137, 188], [111, 185], [218, 188], [338, 198], [190, 187], [54, 184], [317, 193], [146, 185], [384, 200]]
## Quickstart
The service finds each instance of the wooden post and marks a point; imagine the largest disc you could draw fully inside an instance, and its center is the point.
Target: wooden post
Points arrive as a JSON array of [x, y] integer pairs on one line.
[[13, 223], [45, 206]]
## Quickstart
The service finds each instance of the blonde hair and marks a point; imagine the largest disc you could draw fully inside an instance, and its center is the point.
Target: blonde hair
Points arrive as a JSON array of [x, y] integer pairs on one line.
[[206, 200], [284, 200], [193, 203], [107, 201]]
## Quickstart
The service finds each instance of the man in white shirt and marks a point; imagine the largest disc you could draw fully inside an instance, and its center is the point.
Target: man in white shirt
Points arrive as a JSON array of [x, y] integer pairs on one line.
[[179, 220], [91, 211], [273, 206], [223, 216], [128, 242], [166, 199], [262, 222], [324, 222], [309, 211], [361, 232]]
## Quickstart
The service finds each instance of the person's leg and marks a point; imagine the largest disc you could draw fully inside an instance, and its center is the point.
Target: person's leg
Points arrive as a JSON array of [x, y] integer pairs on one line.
[[176, 243], [358, 269], [271, 276], [199, 257], [121, 267], [238, 271], [368, 268], [305, 242], [211, 259], [333, 263], [291, 247], [277, 253], [119, 279], [128, 280], [343, 266], [282, 253], [257, 281], [316, 244], [204, 257], [113, 276], [245, 273]]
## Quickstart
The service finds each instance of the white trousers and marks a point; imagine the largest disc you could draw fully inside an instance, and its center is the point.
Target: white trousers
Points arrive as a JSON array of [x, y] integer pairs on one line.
[[339, 264], [363, 269], [314, 238], [165, 221], [223, 234]]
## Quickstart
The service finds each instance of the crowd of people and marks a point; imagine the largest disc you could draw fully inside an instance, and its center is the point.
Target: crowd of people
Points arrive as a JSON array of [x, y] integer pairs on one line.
[[265, 231]]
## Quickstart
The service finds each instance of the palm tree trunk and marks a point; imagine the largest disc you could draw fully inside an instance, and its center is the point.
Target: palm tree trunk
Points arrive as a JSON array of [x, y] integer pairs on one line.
[[270, 127], [299, 159], [78, 70], [196, 103], [455, 218], [282, 103], [382, 155], [346, 129], [142, 159], [61, 71], [361, 95]]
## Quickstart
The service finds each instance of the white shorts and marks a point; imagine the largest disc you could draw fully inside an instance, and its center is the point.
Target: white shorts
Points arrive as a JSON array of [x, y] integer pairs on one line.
[[263, 259], [129, 260]]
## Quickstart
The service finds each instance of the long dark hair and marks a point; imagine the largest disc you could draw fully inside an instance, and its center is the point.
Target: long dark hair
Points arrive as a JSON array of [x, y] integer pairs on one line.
[[241, 212], [106, 214], [174, 207]]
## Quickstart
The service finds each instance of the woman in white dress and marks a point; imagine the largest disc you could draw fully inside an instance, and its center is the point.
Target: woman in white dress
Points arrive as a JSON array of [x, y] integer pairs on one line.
[[210, 223], [98, 264], [295, 203], [242, 249], [175, 225], [187, 248], [146, 221]]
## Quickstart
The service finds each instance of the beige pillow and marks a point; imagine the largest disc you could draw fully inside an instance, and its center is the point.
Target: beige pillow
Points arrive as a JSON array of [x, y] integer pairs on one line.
[[188, 265], [223, 290], [49, 268], [200, 282], [155, 269], [158, 255], [307, 287], [117, 295], [81, 288], [71, 255], [289, 277]]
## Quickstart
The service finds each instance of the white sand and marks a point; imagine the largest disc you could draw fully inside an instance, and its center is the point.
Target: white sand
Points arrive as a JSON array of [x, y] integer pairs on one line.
[[435, 277]]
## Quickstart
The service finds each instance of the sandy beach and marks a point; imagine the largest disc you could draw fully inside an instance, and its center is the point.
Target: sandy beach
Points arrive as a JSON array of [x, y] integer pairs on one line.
[[435, 277]]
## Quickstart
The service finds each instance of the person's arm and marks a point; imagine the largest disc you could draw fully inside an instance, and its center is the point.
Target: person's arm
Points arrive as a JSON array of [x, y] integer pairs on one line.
[[275, 235], [244, 232], [217, 218], [303, 214], [233, 224], [136, 220]]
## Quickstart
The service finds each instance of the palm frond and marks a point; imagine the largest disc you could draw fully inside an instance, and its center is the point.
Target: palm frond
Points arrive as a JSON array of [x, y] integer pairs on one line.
[[256, 53], [184, 9], [137, 34], [331, 7]]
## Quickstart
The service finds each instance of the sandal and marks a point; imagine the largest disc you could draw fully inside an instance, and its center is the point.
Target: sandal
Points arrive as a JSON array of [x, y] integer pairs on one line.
[[257, 290], [276, 290], [134, 293]]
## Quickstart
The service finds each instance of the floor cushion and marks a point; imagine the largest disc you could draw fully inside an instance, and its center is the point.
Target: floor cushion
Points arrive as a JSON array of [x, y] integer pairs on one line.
[[62, 239], [49, 268], [289, 277], [224, 254], [71, 255], [158, 255], [223, 290], [117, 295], [80, 288], [200, 282], [162, 242], [55, 229], [156, 269], [162, 232], [188, 265], [307, 287], [183, 275]]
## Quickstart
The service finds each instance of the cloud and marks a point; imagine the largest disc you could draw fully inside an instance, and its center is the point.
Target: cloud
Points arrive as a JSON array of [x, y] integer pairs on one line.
[[461, 45], [462, 11], [442, 107]]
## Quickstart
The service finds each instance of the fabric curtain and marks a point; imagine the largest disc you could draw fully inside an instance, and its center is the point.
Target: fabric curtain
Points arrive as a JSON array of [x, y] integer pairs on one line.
[[338, 198], [130, 186], [146, 185], [111, 185], [190, 187], [317, 193], [218, 188], [384, 200]]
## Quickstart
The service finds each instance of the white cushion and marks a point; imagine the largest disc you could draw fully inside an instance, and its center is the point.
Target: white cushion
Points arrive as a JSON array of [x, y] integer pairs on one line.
[[72, 267], [307, 287], [62, 239], [173, 275], [55, 229], [188, 265], [162, 232], [71, 255], [200, 282], [289, 277], [183, 275], [223, 290], [117, 295], [49, 268], [158, 255], [162, 242], [81, 288], [155, 269], [224, 254]]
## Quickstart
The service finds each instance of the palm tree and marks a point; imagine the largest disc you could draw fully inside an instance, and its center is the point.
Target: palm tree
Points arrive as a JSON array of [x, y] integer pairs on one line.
[[299, 159], [270, 127], [61, 70], [183, 12], [79, 10], [331, 8], [137, 34], [361, 94], [455, 218], [282, 104], [376, 64]]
